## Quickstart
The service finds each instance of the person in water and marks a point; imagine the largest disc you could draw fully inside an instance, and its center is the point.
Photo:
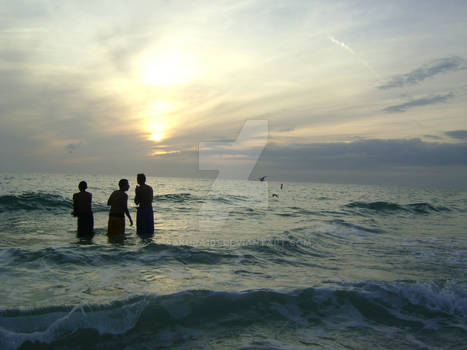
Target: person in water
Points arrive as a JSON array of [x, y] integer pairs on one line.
[[118, 202], [82, 209], [145, 213]]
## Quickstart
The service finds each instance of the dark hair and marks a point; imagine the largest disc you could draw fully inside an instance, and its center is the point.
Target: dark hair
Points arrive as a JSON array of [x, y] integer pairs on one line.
[[141, 178], [122, 183], [82, 185]]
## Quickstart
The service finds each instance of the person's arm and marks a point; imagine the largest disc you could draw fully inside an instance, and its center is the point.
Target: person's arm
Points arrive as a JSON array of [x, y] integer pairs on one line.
[[137, 200], [109, 202], [127, 212], [75, 205]]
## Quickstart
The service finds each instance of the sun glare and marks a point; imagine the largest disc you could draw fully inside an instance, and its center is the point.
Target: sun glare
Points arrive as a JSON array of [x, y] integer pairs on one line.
[[157, 136], [158, 121], [166, 68]]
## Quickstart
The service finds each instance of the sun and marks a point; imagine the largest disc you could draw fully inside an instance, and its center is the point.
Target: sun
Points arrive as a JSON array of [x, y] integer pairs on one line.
[[157, 136], [167, 68], [158, 120]]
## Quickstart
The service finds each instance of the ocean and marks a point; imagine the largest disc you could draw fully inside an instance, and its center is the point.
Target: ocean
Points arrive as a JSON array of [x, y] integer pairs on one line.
[[234, 265]]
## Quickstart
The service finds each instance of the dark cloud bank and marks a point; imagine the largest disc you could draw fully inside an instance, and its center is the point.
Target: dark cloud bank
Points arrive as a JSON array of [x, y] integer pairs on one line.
[[382, 162], [368, 161], [457, 134]]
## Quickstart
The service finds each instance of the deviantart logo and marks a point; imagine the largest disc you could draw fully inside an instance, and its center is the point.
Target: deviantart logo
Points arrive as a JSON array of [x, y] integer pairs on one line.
[[233, 160]]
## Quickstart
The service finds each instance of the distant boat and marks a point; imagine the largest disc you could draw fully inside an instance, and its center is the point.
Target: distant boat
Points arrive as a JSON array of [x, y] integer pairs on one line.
[[262, 178]]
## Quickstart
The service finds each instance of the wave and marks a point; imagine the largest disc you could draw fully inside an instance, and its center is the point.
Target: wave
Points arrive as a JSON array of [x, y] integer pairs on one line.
[[353, 228], [40, 201], [294, 245], [151, 254], [224, 199], [275, 249], [415, 208], [298, 212], [174, 197], [34, 201], [184, 317], [155, 254]]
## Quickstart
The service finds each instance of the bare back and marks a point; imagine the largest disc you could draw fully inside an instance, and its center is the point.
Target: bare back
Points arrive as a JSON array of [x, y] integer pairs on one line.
[[144, 196], [82, 202], [118, 202]]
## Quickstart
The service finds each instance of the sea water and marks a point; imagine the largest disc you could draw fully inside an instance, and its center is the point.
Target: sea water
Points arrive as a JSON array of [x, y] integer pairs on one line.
[[316, 266]]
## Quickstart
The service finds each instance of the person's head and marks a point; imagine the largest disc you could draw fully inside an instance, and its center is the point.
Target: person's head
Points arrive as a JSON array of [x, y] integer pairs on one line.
[[123, 185], [82, 186], [141, 178]]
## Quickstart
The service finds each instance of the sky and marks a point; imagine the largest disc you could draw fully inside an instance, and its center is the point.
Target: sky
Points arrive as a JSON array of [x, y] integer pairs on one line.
[[346, 91]]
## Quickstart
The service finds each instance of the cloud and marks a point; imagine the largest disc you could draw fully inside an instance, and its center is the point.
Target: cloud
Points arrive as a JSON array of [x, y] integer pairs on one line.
[[418, 102], [440, 66], [457, 134]]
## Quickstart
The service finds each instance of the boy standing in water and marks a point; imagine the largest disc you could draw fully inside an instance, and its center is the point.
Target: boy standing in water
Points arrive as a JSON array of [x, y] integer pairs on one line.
[[83, 211], [118, 202], [145, 214]]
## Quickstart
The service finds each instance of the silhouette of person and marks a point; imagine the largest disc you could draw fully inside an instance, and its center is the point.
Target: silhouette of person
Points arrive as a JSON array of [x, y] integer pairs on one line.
[[118, 202], [82, 209], [145, 213]]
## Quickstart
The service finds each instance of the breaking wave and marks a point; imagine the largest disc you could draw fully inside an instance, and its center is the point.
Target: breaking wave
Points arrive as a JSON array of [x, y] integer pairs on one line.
[[182, 318]]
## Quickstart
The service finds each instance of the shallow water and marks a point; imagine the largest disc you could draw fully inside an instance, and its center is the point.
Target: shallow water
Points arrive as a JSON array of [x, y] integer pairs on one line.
[[320, 267]]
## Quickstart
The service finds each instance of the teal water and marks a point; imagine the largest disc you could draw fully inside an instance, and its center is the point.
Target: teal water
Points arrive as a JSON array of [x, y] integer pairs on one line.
[[320, 267]]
